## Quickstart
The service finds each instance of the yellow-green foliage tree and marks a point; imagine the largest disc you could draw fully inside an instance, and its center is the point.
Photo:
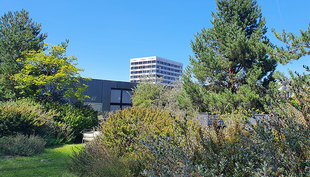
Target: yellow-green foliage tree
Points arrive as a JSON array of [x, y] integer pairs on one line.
[[49, 73]]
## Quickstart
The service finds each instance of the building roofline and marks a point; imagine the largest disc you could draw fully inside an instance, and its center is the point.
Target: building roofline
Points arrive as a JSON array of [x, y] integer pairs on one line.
[[92, 79], [156, 58]]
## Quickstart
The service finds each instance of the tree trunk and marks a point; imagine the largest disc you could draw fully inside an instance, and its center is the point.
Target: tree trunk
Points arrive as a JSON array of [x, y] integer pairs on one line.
[[231, 83]]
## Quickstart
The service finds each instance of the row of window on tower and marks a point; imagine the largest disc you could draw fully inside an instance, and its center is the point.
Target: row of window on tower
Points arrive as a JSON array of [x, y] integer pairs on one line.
[[158, 67], [153, 71], [169, 69], [143, 62], [137, 81], [168, 73], [157, 75], [140, 72], [168, 64], [143, 67]]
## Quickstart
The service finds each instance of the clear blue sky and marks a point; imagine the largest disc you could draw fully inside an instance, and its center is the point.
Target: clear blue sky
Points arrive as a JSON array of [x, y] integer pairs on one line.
[[105, 34]]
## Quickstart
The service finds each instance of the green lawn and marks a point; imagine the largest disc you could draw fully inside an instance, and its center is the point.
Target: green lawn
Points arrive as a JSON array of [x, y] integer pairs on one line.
[[50, 163]]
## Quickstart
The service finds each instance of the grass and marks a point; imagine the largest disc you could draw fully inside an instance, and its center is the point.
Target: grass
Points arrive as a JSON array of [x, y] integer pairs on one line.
[[50, 163]]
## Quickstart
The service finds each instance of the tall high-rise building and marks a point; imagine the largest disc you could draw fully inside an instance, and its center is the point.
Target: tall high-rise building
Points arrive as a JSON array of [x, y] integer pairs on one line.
[[155, 68]]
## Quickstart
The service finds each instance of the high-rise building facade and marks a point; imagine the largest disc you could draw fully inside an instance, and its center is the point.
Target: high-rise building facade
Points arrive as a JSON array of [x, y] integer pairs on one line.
[[155, 68]]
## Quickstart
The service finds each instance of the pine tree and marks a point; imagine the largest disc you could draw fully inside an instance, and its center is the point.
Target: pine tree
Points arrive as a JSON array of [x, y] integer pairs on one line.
[[18, 33], [230, 60], [296, 104], [296, 46]]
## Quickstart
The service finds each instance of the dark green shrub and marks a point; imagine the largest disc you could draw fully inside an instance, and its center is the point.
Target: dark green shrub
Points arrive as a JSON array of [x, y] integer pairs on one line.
[[21, 145], [22, 116], [56, 133], [28, 117], [77, 116]]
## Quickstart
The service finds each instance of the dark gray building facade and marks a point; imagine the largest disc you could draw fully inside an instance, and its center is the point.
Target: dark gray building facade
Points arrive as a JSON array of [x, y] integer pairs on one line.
[[106, 95]]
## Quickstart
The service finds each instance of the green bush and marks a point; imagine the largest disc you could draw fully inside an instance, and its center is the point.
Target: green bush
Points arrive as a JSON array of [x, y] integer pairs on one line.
[[123, 134], [22, 116], [124, 130], [121, 142], [77, 116], [31, 118], [21, 145], [56, 133]]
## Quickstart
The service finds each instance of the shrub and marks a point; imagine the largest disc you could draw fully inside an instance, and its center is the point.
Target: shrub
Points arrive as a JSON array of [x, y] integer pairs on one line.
[[28, 117], [174, 154], [77, 116], [22, 116], [21, 145], [124, 130], [95, 160], [122, 139], [274, 147], [56, 133]]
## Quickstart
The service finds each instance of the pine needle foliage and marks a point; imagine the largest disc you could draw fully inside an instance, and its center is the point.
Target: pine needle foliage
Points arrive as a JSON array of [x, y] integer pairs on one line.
[[230, 61], [296, 46]]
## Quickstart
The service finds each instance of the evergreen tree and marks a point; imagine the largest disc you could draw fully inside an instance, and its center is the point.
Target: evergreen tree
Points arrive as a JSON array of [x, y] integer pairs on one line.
[[18, 34], [293, 101], [296, 46], [230, 62]]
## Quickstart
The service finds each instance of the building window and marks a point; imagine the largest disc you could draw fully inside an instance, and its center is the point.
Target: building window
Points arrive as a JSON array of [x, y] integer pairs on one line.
[[120, 99], [115, 96], [126, 96], [114, 108]]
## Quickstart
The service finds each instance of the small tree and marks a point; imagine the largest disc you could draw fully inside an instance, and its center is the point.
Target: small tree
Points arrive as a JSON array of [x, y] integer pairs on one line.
[[171, 98], [52, 72], [230, 62], [18, 34], [147, 93]]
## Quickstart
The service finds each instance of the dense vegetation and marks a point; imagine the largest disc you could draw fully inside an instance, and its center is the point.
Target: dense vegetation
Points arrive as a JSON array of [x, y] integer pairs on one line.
[[41, 91], [231, 73], [121, 142], [276, 145]]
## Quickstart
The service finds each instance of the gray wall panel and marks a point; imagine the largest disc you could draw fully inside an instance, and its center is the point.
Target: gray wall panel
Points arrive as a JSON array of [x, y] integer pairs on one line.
[[101, 90]]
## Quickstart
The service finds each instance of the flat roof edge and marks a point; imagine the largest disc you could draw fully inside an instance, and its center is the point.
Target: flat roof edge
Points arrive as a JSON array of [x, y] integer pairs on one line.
[[156, 58]]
